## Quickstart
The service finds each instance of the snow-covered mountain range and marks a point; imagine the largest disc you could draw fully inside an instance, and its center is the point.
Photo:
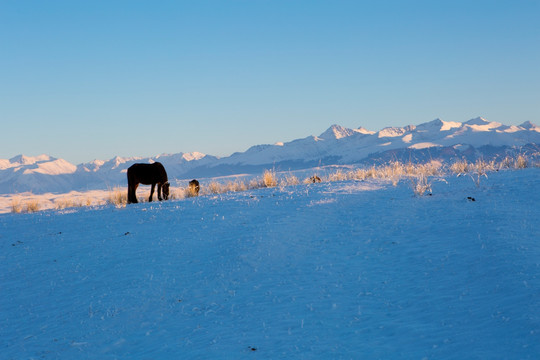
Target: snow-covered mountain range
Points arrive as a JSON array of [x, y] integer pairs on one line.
[[436, 139]]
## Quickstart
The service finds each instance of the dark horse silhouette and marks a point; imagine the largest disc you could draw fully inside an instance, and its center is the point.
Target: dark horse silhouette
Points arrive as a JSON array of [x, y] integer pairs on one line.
[[147, 174]]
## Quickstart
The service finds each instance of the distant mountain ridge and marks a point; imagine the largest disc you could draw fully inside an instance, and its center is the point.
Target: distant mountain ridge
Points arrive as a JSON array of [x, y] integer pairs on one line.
[[337, 145]]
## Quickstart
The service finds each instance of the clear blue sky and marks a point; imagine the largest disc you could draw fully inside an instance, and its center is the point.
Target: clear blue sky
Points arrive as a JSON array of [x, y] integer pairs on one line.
[[84, 80]]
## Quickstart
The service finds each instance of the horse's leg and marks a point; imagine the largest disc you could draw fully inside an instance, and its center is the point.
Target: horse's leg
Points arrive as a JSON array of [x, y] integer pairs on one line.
[[132, 193], [129, 188], [159, 192], [151, 192]]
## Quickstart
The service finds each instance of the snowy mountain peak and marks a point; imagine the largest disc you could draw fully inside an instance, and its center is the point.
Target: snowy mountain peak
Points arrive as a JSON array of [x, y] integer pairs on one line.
[[53, 167], [94, 165], [29, 160], [364, 131], [438, 125], [180, 156], [481, 124], [477, 121], [193, 156], [336, 132], [117, 161], [394, 131], [527, 125]]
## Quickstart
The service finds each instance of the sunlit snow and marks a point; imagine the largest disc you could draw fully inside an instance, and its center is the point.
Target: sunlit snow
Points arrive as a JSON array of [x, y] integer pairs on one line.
[[343, 270]]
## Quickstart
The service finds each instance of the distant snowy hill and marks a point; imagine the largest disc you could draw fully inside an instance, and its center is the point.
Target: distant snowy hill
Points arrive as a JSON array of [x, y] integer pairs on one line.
[[436, 139]]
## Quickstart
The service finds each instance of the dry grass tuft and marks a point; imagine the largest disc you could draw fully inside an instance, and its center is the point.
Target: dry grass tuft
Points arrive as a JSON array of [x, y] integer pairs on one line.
[[31, 206], [117, 197], [213, 188], [479, 170], [255, 184], [521, 162], [63, 203], [460, 167], [16, 206], [421, 186], [289, 180], [269, 179], [506, 163], [361, 174], [338, 175], [235, 186], [177, 194]]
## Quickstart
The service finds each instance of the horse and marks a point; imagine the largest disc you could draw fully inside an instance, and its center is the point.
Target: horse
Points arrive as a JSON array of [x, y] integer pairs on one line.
[[194, 187], [147, 174]]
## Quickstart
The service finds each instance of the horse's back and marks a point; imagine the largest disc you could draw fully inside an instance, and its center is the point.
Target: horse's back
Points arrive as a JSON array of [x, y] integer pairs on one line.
[[147, 174]]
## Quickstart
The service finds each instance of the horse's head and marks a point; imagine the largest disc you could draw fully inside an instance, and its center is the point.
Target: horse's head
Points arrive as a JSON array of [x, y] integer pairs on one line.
[[165, 189]]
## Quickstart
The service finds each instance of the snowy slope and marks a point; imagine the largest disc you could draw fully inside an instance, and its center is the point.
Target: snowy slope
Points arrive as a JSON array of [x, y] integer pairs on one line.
[[337, 145], [40, 173], [328, 271]]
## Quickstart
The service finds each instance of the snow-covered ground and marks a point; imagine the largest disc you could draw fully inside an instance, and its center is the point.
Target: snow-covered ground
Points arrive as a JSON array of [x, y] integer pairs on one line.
[[342, 270]]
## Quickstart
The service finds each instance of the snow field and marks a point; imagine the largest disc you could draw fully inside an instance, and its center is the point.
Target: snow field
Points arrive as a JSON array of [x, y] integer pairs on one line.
[[347, 270]]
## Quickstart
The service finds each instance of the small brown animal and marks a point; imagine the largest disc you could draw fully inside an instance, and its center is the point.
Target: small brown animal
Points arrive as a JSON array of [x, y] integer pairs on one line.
[[315, 179], [194, 187]]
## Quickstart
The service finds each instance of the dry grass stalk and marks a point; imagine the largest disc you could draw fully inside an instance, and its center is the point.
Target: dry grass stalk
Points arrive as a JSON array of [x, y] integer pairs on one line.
[[479, 169]]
